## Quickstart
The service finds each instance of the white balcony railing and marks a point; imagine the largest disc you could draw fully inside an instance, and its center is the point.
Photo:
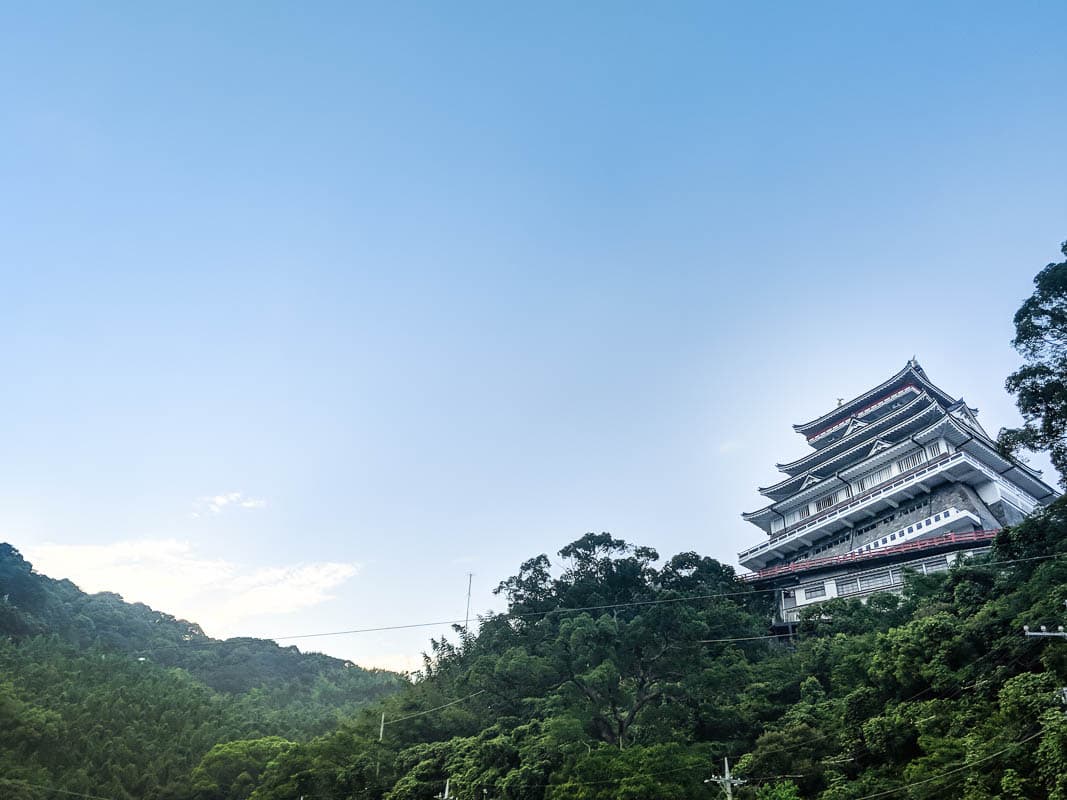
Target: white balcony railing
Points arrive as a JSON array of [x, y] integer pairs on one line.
[[849, 505]]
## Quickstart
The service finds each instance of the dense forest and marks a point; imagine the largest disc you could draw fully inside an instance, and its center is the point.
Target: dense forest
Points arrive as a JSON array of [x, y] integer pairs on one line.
[[105, 697], [934, 694], [613, 674]]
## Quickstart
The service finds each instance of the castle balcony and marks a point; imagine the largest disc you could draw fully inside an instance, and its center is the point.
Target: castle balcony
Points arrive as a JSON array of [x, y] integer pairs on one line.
[[852, 561], [957, 467], [859, 575]]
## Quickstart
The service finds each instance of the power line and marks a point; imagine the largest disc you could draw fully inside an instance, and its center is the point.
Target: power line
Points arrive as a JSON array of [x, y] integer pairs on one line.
[[605, 781], [602, 607], [56, 790], [804, 744], [960, 768], [431, 710], [744, 638], [528, 614], [910, 699]]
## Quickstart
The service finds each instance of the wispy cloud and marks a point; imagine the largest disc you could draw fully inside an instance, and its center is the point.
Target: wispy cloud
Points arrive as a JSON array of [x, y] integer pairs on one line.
[[216, 503], [730, 446], [170, 575]]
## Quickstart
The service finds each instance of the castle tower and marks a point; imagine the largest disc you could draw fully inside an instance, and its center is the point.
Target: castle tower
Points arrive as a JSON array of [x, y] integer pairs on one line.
[[901, 477]]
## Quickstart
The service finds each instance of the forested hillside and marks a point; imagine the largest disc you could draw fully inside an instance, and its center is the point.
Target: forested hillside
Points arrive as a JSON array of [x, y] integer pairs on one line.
[[937, 694], [107, 697], [639, 695]]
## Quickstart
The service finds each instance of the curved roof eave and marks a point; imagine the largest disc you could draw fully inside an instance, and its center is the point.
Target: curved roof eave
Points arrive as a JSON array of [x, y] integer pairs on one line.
[[868, 430], [752, 516], [844, 410], [858, 445]]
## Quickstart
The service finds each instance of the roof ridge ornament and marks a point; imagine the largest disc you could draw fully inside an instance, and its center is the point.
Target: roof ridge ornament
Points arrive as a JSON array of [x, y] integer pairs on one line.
[[808, 481]]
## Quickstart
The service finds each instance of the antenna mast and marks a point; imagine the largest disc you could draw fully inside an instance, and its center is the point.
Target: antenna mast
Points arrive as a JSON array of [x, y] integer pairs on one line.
[[467, 618]]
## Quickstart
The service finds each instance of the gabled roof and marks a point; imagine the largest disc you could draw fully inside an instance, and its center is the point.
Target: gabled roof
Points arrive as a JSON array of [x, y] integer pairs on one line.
[[964, 438], [892, 429], [854, 425], [911, 374], [868, 433], [878, 446], [967, 415]]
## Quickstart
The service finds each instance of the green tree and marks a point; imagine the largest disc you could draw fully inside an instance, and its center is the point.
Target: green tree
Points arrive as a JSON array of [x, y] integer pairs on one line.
[[230, 771], [1040, 385], [786, 790]]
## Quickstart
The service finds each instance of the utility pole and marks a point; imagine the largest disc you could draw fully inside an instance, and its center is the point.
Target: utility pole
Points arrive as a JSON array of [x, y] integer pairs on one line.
[[467, 618], [1059, 633], [725, 781], [381, 735]]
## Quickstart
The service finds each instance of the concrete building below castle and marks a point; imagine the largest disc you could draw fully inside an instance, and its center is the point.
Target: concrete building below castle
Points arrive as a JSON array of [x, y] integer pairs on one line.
[[901, 477]]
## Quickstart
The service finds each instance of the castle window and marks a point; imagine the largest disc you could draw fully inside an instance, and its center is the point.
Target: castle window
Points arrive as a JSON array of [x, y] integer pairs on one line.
[[824, 503], [847, 585], [934, 450], [814, 591], [875, 581], [910, 461], [876, 477]]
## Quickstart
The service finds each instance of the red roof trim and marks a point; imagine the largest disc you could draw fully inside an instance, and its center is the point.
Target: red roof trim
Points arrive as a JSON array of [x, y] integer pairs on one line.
[[812, 564], [864, 410]]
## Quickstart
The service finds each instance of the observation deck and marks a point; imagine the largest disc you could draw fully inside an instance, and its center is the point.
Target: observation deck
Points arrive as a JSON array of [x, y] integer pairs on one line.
[[959, 466]]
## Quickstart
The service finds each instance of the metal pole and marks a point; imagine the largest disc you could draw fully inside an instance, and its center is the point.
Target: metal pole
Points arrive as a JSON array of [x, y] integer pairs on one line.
[[726, 781], [467, 618], [1059, 633]]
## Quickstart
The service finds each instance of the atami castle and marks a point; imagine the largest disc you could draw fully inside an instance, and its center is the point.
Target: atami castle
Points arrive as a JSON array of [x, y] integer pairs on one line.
[[901, 477]]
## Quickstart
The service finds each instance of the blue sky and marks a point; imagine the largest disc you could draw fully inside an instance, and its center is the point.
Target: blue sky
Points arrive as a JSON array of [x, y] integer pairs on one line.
[[309, 310]]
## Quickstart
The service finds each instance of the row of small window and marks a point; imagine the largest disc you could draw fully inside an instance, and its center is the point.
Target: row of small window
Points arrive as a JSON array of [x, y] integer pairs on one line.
[[903, 465], [876, 580], [823, 548], [900, 512], [901, 534], [865, 583], [908, 462], [868, 528]]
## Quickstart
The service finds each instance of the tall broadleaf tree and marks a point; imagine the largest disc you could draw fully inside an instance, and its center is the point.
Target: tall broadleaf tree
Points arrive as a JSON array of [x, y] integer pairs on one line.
[[1040, 385]]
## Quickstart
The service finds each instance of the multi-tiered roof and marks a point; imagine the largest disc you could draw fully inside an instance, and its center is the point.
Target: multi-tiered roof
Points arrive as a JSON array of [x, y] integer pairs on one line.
[[900, 439]]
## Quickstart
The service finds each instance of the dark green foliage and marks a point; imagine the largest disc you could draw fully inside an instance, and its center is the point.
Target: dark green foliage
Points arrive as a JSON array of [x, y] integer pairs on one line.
[[109, 698], [937, 690], [31, 604], [1040, 385]]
